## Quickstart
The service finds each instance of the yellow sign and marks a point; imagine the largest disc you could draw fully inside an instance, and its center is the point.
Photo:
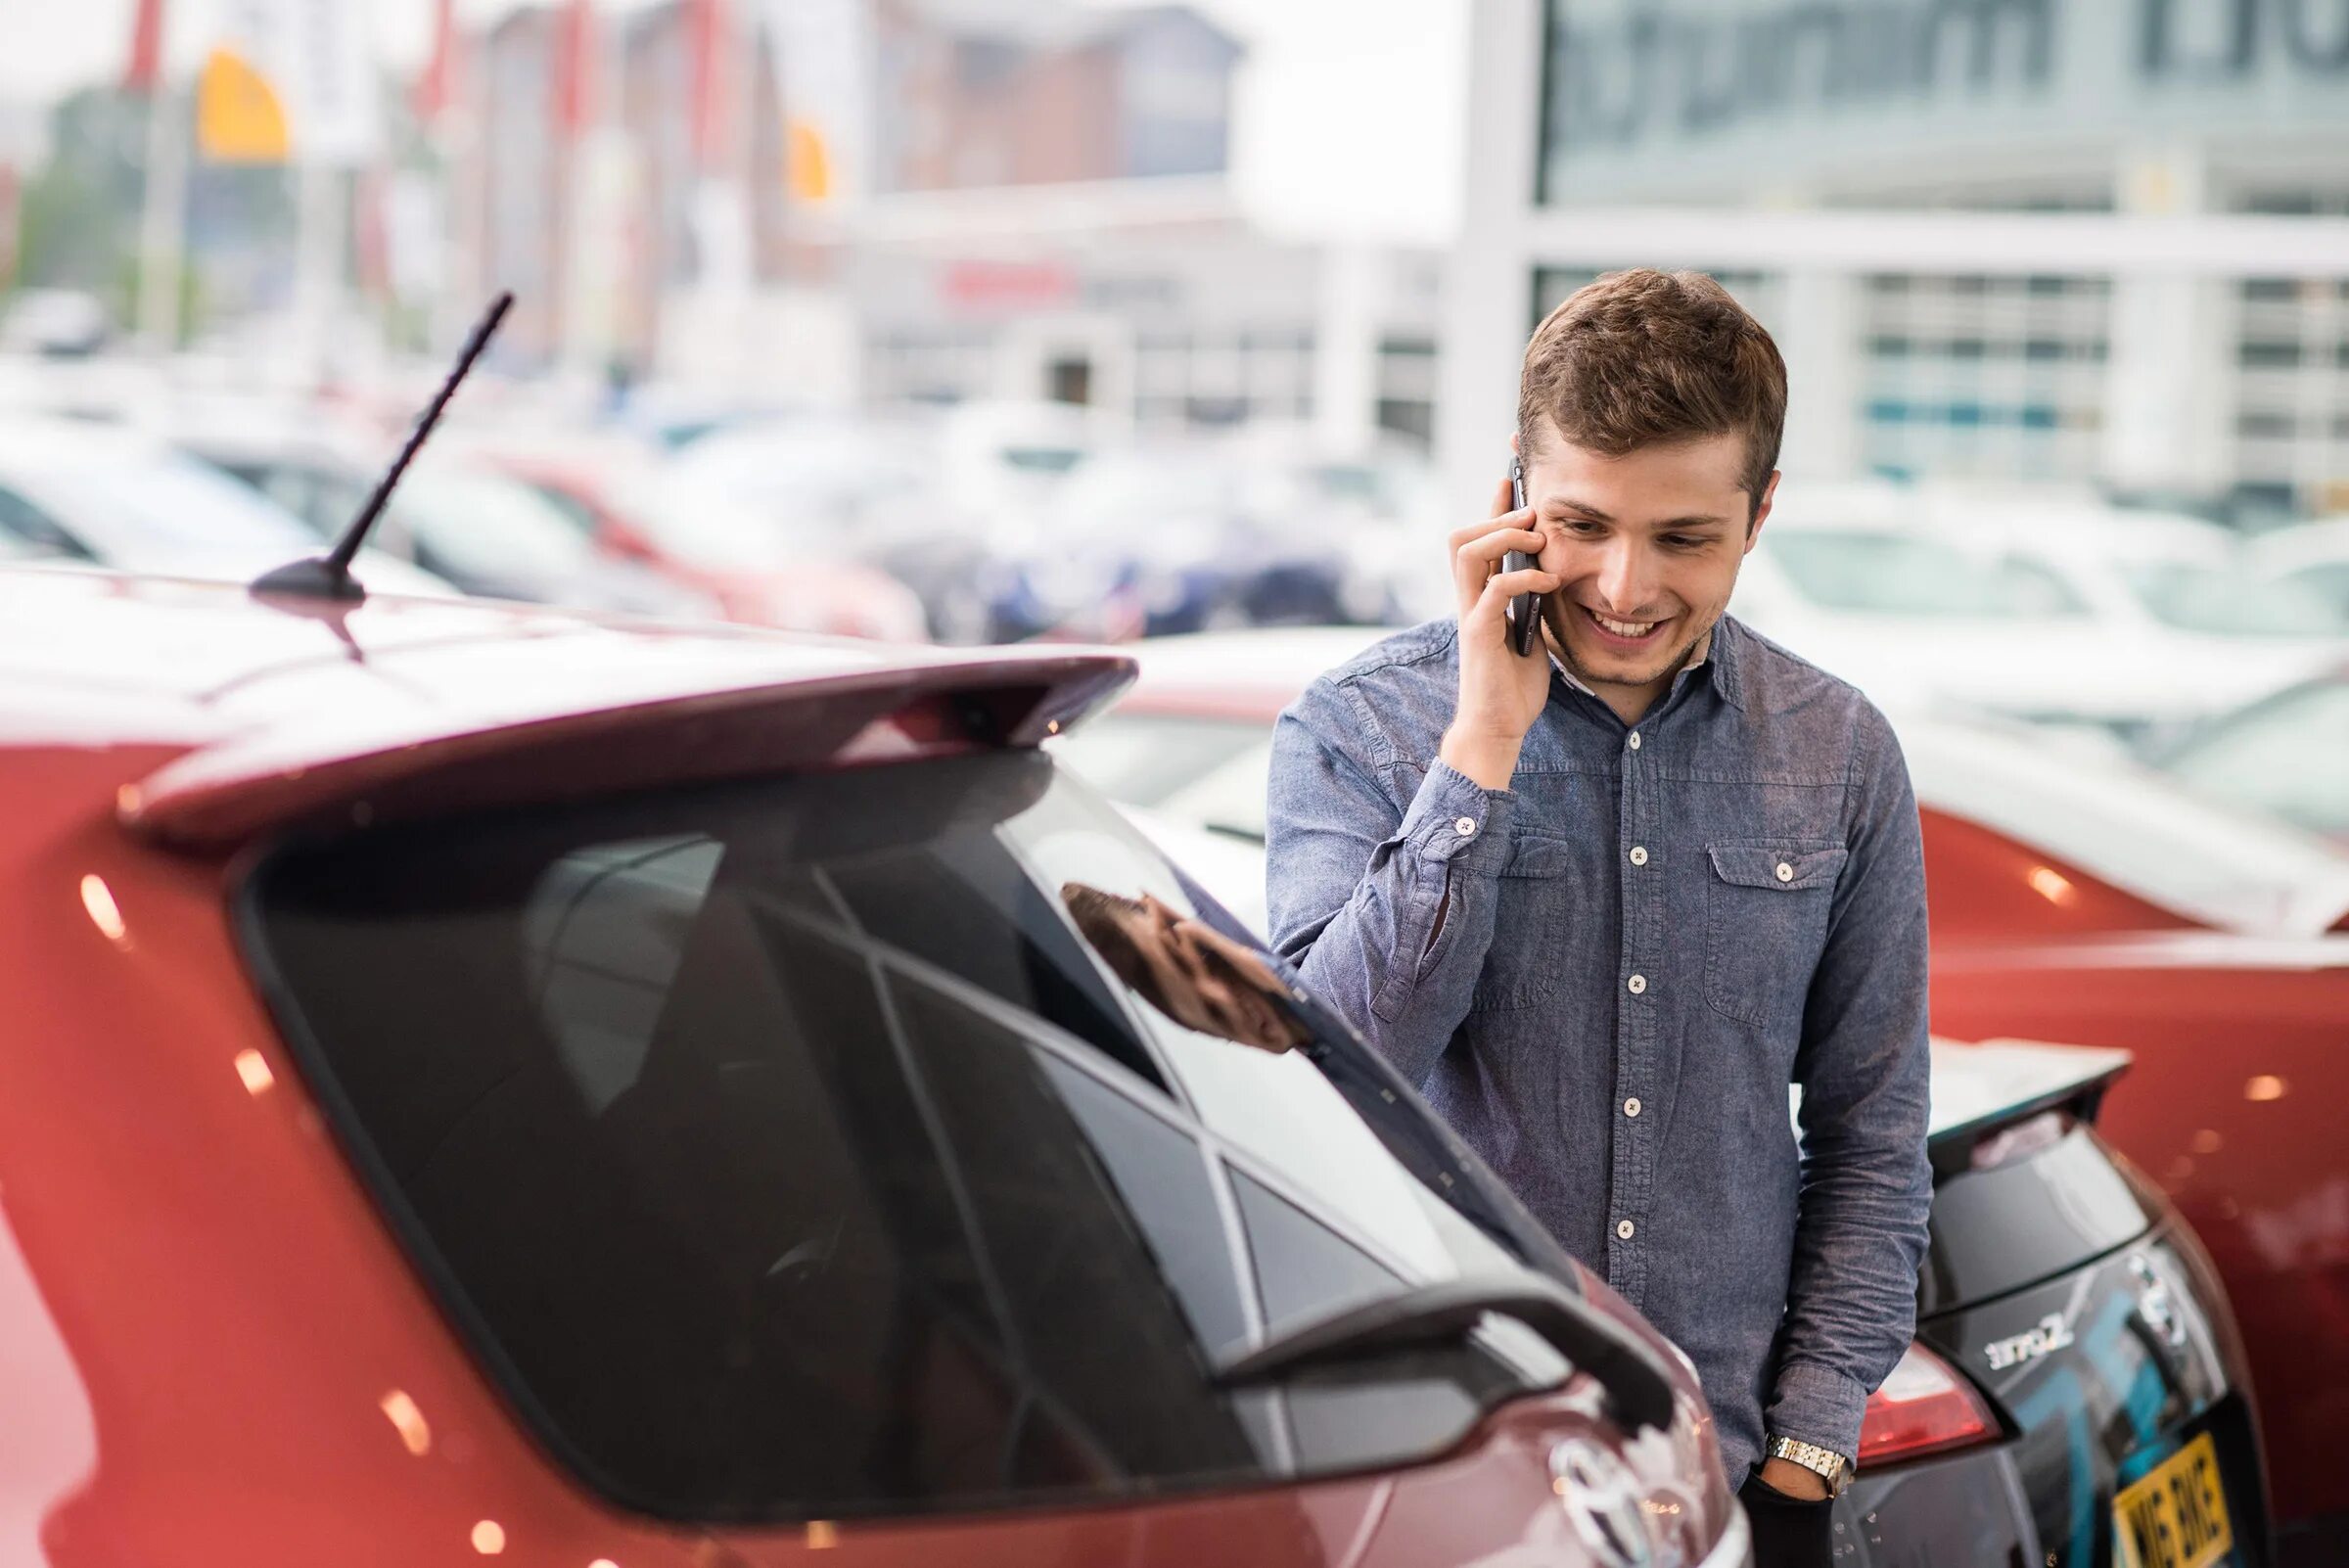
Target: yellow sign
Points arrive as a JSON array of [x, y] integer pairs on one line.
[[808, 169], [2176, 1516], [239, 118]]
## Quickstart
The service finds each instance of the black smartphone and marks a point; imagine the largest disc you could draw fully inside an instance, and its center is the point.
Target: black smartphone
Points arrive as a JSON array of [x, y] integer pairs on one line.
[[1525, 611]]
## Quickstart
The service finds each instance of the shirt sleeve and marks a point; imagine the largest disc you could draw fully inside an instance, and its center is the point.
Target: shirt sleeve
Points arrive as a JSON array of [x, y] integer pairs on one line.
[[1386, 913], [1865, 1070]]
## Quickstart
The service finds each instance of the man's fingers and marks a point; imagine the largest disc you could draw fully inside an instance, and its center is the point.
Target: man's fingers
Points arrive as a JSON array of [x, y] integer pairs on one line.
[[1504, 499], [1503, 586], [1521, 518], [1476, 552]]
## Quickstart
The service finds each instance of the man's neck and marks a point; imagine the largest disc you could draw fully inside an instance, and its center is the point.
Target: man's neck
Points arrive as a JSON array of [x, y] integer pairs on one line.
[[1630, 704]]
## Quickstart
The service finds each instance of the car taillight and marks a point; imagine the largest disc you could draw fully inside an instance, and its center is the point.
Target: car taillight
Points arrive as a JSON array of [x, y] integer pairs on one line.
[[1923, 1408]]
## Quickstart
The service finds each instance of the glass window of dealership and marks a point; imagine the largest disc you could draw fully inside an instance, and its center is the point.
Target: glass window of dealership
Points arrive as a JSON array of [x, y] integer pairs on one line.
[[2211, 373]]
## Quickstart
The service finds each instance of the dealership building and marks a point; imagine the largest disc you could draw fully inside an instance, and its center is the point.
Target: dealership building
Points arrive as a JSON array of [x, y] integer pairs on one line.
[[2085, 241]]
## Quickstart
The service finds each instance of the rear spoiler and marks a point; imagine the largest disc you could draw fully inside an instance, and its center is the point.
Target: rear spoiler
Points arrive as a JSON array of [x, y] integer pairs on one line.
[[1983, 1092], [225, 794]]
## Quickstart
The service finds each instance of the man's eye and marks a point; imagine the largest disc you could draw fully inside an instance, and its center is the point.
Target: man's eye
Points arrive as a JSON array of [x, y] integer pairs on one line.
[[1581, 526], [1684, 541]]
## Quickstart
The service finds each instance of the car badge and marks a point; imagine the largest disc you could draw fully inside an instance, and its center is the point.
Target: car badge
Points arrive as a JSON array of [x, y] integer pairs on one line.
[[2052, 1334], [2156, 1305], [1601, 1499]]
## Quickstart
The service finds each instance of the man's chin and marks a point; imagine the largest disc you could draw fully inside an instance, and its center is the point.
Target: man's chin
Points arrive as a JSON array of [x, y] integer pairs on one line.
[[1612, 667]]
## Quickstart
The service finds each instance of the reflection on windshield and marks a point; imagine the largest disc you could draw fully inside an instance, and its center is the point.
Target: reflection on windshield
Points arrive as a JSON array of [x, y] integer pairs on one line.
[[1186, 969], [487, 524], [2206, 596], [179, 504], [1885, 573]]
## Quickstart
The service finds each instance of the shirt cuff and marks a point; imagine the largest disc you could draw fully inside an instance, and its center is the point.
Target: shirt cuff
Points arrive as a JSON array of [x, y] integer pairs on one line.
[[1819, 1404], [1456, 822]]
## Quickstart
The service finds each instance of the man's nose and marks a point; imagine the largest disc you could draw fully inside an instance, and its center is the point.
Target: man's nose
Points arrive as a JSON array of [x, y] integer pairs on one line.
[[1625, 582]]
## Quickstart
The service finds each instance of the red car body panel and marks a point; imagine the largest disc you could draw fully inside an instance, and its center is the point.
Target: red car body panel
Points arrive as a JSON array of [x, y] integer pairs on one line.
[[2231, 1106], [213, 1347], [828, 597]]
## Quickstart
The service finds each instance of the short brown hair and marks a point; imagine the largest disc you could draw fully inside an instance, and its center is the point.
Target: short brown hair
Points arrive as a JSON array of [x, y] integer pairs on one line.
[[1645, 357]]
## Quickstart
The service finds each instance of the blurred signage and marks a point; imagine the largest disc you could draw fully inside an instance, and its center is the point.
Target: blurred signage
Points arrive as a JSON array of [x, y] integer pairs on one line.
[[999, 286], [823, 54], [289, 78], [1692, 88]]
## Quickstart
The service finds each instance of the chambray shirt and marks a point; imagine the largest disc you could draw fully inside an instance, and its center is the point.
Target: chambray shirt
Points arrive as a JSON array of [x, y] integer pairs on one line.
[[1644, 940]]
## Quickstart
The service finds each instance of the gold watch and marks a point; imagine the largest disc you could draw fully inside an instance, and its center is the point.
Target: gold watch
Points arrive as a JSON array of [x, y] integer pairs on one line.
[[1830, 1465]]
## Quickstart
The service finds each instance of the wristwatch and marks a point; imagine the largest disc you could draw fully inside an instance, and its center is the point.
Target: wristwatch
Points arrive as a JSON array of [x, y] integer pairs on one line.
[[1831, 1465]]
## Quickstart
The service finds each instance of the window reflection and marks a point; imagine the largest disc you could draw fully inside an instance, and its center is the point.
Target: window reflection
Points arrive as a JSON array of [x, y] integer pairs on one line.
[[1186, 969]]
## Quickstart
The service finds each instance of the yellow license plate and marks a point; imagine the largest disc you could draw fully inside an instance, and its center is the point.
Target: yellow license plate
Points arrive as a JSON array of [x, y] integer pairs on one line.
[[2176, 1517]]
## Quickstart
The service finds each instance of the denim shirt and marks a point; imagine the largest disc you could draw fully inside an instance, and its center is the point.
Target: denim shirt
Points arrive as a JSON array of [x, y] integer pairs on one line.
[[1644, 940]]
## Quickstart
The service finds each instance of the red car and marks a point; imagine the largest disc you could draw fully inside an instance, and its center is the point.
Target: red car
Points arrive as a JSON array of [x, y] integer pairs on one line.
[[481, 1081], [2071, 901], [758, 577]]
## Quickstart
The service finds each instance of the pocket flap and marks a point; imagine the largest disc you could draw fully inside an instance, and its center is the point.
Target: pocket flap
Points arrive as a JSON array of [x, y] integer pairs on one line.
[[1791, 867], [1536, 855]]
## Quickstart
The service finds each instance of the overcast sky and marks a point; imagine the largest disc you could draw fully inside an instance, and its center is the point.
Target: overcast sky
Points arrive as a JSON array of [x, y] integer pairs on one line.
[[1349, 117]]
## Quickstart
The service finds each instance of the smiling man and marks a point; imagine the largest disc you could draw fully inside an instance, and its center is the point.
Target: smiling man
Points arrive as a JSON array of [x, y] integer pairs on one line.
[[1605, 901]]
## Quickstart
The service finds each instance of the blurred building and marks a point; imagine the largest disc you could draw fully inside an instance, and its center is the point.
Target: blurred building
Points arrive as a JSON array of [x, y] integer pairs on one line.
[[1041, 210], [2043, 240], [981, 93]]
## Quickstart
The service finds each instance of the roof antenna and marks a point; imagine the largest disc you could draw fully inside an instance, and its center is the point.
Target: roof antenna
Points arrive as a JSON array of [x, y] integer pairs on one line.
[[328, 575]]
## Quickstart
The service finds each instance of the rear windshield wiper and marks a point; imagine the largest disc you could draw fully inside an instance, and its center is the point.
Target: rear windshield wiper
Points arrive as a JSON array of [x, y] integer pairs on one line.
[[1637, 1389]]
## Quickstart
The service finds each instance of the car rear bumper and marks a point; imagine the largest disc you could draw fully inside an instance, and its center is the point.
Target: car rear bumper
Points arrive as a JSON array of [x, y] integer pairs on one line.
[[1984, 1505]]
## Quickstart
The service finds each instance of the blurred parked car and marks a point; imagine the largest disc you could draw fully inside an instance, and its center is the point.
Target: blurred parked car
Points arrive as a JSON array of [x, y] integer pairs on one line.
[[2311, 558], [487, 533], [2286, 756], [2072, 899], [756, 574], [866, 491], [80, 494], [2122, 622], [514, 1085], [1150, 542]]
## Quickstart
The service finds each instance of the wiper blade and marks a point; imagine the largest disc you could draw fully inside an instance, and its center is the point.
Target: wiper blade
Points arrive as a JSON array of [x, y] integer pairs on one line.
[[1637, 1389]]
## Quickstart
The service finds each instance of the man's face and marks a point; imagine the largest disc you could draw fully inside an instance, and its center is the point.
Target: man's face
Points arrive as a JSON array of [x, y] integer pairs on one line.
[[1647, 546]]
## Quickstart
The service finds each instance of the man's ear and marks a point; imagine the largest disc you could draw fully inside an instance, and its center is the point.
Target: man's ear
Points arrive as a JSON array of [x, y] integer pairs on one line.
[[1753, 528]]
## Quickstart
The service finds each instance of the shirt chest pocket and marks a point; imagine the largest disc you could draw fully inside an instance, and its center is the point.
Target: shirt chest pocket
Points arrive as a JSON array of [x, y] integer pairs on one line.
[[1522, 968], [1766, 924]]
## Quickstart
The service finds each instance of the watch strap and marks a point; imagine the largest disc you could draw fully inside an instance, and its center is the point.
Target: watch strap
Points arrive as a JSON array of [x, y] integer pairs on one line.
[[1825, 1462]]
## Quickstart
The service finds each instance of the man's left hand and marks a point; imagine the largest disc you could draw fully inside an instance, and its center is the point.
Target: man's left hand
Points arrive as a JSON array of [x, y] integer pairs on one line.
[[1794, 1480]]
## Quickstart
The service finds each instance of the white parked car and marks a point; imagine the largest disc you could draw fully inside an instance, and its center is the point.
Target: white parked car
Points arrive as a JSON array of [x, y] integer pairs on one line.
[[87, 495], [2053, 611]]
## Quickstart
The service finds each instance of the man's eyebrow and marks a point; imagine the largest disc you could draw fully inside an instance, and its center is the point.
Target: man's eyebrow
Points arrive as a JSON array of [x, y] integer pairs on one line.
[[1585, 509]]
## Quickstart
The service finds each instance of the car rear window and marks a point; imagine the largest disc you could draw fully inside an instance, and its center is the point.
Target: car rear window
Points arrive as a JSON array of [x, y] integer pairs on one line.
[[891, 1141]]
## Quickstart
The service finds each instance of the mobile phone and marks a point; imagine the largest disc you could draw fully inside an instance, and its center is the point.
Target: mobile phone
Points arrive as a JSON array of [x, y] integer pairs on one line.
[[1525, 611]]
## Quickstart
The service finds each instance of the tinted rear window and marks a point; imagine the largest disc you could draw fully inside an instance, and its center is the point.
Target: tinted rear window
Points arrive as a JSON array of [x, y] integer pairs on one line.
[[797, 1150]]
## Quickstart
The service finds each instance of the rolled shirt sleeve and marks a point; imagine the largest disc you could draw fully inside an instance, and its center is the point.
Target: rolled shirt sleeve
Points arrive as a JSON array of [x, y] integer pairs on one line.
[[1385, 909], [1864, 1067]]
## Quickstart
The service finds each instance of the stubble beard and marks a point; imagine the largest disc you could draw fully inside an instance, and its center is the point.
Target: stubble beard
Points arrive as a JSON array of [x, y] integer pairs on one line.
[[1554, 616]]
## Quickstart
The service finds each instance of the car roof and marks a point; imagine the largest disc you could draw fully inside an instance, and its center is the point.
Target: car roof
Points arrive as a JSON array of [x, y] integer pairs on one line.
[[275, 713]]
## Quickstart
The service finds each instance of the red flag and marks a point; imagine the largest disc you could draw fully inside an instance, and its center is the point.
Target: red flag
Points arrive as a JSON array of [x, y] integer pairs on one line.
[[706, 49], [575, 69], [435, 86], [146, 65]]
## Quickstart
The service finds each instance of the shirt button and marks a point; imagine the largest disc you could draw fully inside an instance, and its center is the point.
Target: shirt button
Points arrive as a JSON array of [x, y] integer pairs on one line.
[[1465, 827], [1624, 1228], [1639, 984], [1785, 872], [1634, 740], [1638, 855], [1631, 1107]]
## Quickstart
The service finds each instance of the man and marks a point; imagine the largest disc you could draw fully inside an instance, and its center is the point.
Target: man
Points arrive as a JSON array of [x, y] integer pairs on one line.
[[1606, 901]]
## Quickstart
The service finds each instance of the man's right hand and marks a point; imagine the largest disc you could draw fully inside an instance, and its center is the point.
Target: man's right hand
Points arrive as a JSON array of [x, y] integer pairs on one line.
[[1500, 692]]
